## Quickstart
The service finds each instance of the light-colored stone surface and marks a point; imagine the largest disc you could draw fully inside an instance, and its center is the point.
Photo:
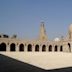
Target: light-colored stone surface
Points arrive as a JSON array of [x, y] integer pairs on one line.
[[43, 60]]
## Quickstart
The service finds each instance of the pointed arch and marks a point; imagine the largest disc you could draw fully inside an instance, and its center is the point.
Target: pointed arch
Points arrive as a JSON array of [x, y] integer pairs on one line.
[[37, 47], [13, 47], [69, 47], [44, 48], [56, 48], [21, 47], [3, 46], [61, 48], [50, 48], [29, 47]]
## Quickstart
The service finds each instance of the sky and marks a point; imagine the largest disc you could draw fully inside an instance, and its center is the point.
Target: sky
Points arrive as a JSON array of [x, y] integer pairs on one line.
[[23, 17]]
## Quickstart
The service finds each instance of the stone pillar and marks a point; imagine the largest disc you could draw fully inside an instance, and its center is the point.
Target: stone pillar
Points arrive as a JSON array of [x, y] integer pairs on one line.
[[40, 48], [25, 48], [71, 47], [58, 48], [33, 48], [53, 48], [46, 48], [65, 48], [17, 48], [8, 48]]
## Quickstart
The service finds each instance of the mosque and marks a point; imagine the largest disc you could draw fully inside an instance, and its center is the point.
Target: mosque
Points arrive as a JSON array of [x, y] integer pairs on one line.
[[42, 44], [41, 52]]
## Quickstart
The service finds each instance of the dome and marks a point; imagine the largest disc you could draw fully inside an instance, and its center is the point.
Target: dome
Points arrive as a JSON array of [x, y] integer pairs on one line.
[[70, 28], [56, 39]]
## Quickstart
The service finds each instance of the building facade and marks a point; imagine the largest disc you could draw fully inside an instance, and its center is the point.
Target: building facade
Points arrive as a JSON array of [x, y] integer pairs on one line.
[[42, 44]]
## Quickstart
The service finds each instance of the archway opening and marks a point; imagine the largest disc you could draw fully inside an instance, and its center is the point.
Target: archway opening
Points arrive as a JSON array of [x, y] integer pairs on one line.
[[0, 36], [56, 48], [2, 47], [12, 47], [69, 46], [44, 48], [21, 47], [50, 48], [29, 47], [61, 48], [37, 48]]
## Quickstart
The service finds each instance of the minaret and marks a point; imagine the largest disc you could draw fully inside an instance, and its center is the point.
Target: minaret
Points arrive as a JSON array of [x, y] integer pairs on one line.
[[70, 32], [42, 35]]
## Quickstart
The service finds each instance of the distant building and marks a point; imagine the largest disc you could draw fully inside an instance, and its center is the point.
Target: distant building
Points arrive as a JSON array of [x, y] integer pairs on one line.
[[42, 44]]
